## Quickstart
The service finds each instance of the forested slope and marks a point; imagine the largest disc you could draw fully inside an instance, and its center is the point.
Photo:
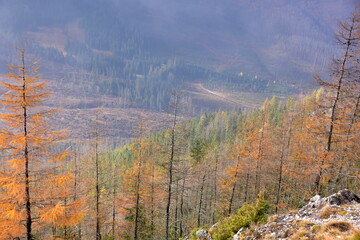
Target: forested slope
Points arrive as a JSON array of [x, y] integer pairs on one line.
[[191, 173], [139, 50]]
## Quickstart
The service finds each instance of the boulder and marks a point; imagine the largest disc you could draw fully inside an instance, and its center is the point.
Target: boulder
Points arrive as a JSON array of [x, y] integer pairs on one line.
[[342, 197], [202, 234]]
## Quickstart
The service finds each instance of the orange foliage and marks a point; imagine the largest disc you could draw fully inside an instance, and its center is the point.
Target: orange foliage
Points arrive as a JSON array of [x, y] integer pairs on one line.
[[29, 173]]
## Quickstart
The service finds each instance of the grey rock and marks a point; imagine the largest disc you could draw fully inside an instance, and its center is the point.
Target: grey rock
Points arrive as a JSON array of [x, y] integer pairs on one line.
[[343, 197], [340, 198], [282, 226], [238, 234], [202, 234], [213, 227]]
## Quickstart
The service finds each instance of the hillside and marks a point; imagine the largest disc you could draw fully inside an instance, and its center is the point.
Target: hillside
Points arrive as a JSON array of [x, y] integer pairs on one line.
[[169, 43], [127, 56], [334, 217], [139, 124]]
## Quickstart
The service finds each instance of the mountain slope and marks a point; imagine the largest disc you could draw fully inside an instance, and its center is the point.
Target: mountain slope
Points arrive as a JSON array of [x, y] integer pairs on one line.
[[280, 40]]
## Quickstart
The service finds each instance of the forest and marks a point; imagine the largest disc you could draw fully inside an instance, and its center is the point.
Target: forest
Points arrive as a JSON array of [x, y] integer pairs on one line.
[[197, 172]]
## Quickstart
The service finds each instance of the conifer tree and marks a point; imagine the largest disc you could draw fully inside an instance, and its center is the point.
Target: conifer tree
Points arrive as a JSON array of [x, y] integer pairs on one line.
[[343, 74], [29, 162]]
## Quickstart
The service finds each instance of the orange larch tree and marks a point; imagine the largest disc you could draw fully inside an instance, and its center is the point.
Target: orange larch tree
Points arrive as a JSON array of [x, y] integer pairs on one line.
[[31, 190]]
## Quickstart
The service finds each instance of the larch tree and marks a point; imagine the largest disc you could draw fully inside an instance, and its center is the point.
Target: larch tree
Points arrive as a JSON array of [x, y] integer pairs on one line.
[[175, 104], [343, 70], [29, 160]]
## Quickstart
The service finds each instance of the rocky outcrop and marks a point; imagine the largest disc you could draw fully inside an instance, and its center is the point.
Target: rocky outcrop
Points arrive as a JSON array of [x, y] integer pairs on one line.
[[334, 217], [203, 234], [341, 198], [340, 211]]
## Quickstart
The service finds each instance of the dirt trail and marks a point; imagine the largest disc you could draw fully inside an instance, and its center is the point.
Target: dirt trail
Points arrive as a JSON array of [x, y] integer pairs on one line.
[[201, 91]]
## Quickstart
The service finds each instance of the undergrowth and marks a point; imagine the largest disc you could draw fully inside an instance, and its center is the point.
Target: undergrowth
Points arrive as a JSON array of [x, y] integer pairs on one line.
[[247, 215]]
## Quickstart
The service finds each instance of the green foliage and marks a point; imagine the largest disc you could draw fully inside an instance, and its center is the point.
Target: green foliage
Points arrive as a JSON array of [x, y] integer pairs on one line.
[[109, 237], [198, 150], [243, 218], [144, 229], [193, 233]]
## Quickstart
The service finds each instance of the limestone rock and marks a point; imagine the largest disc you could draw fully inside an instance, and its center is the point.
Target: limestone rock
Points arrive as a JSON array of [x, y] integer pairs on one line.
[[202, 234], [344, 207], [341, 198], [238, 234]]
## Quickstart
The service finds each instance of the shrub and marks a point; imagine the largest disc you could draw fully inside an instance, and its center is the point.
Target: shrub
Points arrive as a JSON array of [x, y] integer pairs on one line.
[[243, 218], [193, 232]]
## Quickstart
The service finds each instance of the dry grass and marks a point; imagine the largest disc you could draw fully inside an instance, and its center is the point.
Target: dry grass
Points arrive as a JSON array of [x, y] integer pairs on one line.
[[355, 236], [337, 225], [327, 212], [305, 223], [300, 235], [337, 230]]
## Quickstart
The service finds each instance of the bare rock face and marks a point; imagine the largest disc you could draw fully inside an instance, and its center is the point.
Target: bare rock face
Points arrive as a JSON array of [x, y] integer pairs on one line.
[[237, 236], [343, 197], [202, 234]]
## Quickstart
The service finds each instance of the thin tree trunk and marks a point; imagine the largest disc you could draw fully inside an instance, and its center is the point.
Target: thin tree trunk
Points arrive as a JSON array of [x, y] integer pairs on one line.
[[113, 203], [152, 211], [201, 200], [335, 105], [259, 158], [176, 210], [182, 207], [65, 227], [348, 133], [215, 188], [97, 189], [279, 180], [170, 168], [234, 186], [246, 187], [76, 179], [137, 204], [26, 154]]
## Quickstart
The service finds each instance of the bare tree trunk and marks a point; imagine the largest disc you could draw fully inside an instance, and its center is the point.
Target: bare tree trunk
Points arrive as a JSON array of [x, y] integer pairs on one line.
[[97, 188], [65, 227], [280, 179], [176, 211], [234, 186], [26, 152], [283, 157], [338, 88], [152, 211], [215, 188], [259, 158], [171, 164], [137, 192], [113, 202], [348, 134], [246, 187], [182, 207], [201, 200], [76, 183]]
